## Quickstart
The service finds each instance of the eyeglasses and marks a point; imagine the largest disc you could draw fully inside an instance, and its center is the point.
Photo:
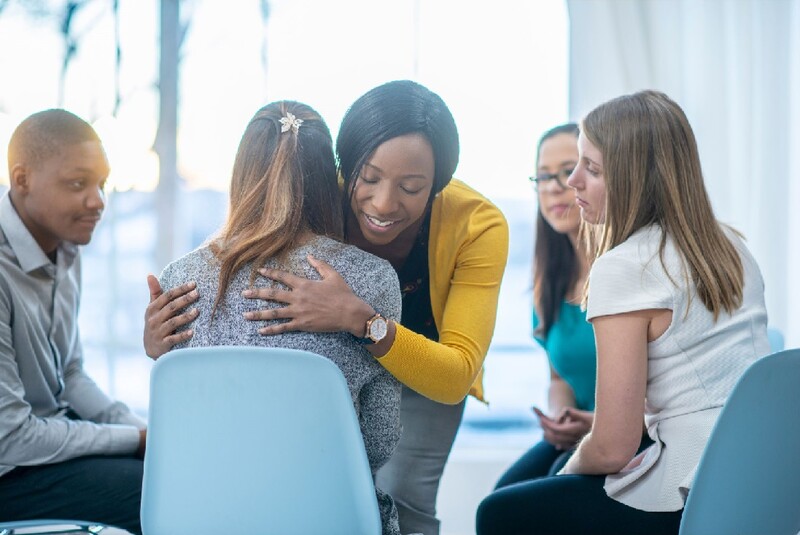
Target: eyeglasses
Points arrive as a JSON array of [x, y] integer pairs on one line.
[[560, 178]]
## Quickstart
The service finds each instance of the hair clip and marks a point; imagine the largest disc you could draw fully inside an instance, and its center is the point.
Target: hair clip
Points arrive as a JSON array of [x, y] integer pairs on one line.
[[290, 121]]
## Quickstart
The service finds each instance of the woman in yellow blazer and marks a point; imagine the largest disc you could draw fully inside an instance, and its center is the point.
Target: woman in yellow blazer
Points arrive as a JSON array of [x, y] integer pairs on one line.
[[398, 148], [467, 250]]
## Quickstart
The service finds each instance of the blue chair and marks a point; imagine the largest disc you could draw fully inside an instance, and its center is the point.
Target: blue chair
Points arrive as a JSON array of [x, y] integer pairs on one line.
[[54, 527], [775, 340], [748, 479], [254, 440]]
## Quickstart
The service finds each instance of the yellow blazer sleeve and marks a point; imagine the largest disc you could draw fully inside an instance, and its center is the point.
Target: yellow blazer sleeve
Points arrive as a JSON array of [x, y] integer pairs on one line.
[[467, 256]]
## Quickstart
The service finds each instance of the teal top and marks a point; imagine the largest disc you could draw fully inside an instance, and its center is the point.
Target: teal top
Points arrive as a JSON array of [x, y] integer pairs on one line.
[[570, 348]]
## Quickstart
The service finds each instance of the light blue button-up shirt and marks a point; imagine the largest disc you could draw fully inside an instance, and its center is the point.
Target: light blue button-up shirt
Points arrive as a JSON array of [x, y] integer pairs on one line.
[[41, 359]]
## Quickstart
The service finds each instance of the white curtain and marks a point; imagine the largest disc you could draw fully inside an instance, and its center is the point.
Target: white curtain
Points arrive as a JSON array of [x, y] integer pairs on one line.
[[734, 67]]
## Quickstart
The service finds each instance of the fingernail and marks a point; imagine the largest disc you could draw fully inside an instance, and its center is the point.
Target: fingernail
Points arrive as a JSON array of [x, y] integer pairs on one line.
[[192, 284], [194, 293], [262, 331], [248, 315], [247, 293], [263, 271]]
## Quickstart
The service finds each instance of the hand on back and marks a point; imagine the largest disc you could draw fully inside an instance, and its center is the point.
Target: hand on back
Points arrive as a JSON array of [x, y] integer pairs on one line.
[[165, 314]]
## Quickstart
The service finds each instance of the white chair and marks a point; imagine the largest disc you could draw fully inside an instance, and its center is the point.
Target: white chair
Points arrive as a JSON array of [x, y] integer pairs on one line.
[[775, 337], [254, 440], [49, 527], [748, 479]]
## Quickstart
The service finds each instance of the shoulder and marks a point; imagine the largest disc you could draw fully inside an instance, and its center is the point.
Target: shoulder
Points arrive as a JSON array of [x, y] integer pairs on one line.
[[371, 278], [200, 256], [738, 242], [465, 204], [639, 253], [640, 247], [631, 276], [463, 220], [752, 271], [611, 269], [9, 267], [350, 261], [187, 267]]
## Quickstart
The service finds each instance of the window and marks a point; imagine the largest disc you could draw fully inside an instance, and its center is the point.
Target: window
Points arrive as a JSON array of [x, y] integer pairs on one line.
[[500, 66]]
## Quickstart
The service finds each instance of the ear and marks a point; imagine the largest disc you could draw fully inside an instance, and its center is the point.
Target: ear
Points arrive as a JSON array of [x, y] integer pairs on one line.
[[19, 178]]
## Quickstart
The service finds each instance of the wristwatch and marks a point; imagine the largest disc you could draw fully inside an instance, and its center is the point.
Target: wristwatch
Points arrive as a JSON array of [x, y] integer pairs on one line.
[[376, 330]]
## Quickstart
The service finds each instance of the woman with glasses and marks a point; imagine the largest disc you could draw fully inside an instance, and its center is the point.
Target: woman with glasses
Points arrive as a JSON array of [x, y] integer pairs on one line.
[[398, 148], [676, 302], [560, 326]]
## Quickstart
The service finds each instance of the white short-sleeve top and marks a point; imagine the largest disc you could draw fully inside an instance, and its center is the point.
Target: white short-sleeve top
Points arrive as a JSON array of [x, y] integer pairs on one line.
[[691, 368]]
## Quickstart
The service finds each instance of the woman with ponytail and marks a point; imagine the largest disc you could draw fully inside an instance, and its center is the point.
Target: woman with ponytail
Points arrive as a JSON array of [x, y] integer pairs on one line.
[[398, 148], [284, 207]]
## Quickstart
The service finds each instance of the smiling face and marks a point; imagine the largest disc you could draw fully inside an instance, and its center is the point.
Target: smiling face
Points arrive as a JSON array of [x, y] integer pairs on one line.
[[589, 183], [61, 198], [391, 193], [558, 154]]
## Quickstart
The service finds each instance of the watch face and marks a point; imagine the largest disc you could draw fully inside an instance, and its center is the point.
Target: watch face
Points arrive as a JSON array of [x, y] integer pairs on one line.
[[378, 329]]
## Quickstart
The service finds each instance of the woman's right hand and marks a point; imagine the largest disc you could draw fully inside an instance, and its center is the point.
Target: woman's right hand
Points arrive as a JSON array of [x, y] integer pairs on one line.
[[162, 318], [324, 305]]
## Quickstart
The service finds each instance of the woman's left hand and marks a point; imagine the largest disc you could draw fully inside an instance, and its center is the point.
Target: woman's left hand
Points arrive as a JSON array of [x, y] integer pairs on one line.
[[567, 428], [326, 305]]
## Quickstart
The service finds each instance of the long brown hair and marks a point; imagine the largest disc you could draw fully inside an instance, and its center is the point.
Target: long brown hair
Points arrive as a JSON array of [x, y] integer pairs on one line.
[[555, 263], [652, 175], [283, 185]]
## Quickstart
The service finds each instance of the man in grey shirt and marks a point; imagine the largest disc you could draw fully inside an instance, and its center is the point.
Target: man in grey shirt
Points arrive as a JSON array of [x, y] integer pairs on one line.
[[66, 449]]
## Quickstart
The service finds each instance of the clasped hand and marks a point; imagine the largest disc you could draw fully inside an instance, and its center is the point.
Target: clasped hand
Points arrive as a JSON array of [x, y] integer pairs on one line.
[[566, 428]]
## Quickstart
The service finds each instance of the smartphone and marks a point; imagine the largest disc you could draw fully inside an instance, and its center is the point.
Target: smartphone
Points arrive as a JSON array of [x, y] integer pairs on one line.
[[540, 414]]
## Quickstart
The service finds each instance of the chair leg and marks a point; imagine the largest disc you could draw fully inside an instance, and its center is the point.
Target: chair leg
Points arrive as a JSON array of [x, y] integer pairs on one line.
[[78, 529]]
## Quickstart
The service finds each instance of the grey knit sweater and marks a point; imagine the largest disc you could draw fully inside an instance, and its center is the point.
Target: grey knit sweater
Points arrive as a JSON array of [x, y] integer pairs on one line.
[[375, 393]]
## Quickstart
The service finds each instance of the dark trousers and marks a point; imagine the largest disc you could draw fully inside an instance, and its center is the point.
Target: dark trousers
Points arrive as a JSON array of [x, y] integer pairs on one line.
[[531, 499], [542, 460], [567, 505], [106, 490]]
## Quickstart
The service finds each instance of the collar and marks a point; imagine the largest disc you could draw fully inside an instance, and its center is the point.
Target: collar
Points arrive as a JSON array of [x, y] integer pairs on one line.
[[29, 255]]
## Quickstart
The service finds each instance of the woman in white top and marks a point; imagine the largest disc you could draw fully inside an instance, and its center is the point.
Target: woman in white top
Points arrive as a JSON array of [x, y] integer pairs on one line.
[[677, 305]]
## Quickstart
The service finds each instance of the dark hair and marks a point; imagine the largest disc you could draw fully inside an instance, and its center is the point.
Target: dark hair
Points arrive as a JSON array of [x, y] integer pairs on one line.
[[44, 134], [283, 184], [391, 110], [555, 266]]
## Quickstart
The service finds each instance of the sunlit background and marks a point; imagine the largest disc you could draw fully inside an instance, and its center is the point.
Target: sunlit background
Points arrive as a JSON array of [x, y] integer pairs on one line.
[[502, 69], [508, 69]]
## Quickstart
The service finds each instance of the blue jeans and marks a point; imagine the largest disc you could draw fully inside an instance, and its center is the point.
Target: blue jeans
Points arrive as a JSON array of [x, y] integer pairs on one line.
[[106, 490], [412, 474]]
